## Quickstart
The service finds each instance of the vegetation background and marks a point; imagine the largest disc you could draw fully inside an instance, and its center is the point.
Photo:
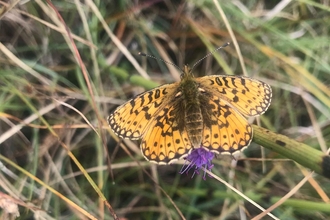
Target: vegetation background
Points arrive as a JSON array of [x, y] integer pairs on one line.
[[56, 149]]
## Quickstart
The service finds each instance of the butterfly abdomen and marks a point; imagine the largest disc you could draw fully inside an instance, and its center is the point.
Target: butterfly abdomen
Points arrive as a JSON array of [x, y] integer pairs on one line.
[[192, 111], [194, 124]]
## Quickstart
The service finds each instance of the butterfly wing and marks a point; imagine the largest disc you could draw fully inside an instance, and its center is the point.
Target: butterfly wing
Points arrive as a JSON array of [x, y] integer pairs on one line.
[[248, 96], [131, 120], [225, 129], [166, 141]]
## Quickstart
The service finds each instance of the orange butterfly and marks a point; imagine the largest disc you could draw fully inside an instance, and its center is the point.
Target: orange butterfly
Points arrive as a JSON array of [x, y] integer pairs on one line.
[[207, 112]]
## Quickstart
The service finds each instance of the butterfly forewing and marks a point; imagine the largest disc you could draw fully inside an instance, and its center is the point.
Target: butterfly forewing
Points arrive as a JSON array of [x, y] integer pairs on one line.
[[131, 120], [248, 96]]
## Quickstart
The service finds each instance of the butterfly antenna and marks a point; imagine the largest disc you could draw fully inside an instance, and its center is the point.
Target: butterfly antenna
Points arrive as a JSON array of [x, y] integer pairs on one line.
[[209, 54], [159, 59]]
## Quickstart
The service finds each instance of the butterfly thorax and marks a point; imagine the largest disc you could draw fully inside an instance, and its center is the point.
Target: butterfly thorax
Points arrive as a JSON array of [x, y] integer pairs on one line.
[[189, 90]]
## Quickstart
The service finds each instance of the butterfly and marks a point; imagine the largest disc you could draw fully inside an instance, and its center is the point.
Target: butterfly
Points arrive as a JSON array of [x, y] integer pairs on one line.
[[210, 112]]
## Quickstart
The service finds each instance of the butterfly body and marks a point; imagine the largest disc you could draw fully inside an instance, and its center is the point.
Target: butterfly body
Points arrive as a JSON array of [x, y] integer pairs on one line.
[[190, 98], [204, 112]]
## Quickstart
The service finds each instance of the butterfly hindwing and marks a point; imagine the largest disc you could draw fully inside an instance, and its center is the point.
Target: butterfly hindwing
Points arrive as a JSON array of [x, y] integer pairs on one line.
[[165, 141], [229, 131]]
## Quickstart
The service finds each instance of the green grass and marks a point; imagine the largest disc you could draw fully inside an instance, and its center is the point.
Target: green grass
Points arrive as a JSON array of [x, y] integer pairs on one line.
[[54, 164]]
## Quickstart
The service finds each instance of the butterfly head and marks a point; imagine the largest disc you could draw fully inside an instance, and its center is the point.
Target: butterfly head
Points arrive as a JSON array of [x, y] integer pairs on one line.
[[186, 72]]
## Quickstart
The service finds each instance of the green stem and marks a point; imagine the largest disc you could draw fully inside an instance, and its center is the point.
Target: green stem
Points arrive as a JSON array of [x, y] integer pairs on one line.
[[299, 152]]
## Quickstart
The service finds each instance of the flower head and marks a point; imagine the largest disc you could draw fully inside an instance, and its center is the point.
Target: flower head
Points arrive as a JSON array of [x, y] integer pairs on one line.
[[198, 157]]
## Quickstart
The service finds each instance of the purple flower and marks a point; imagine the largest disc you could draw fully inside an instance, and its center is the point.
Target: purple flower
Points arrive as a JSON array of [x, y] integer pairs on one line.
[[199, 158]]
